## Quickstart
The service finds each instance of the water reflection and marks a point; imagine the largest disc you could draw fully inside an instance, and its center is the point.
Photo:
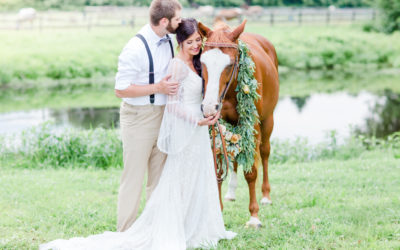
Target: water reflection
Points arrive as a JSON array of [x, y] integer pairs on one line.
[[84, 118], [384, 117], [299, 101], [87, 117], [311, 116]]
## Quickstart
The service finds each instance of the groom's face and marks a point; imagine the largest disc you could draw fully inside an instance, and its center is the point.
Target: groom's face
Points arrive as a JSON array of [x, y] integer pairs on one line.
[[174, 22]]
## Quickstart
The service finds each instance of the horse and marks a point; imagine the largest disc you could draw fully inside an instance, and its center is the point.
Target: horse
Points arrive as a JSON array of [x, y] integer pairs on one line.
[[219, 58], [228, 14], [254, 11], [26, 15]]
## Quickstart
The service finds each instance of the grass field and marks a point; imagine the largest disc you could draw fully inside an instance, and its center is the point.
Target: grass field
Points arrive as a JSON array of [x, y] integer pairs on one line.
[[328, 204], [74, 53]]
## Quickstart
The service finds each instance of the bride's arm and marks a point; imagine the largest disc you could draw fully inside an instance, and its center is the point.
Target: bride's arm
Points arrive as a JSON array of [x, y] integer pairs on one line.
[[179, 72]]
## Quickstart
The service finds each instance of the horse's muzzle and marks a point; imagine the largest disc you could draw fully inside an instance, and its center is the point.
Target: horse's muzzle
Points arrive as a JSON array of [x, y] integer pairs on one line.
[[210, 110]]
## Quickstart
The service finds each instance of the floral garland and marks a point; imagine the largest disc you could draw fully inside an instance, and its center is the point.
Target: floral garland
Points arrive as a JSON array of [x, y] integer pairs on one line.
[[240, 141]]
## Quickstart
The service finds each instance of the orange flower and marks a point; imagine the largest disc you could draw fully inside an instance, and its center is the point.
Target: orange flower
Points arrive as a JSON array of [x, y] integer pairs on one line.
[[235, 138]]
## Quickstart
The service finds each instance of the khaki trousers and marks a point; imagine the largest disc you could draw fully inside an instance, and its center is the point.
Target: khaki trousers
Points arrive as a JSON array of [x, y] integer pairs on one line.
[[140, 126]]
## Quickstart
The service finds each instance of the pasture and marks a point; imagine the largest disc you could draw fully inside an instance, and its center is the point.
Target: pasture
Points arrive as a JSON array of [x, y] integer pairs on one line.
[[324, 204], [78, 53]]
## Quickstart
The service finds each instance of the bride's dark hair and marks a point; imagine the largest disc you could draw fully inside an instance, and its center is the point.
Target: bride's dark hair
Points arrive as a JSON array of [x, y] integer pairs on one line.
[[186, 28]]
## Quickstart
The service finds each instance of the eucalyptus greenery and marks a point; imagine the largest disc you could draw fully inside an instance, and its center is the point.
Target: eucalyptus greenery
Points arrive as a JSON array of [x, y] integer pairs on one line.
[[248, 117]]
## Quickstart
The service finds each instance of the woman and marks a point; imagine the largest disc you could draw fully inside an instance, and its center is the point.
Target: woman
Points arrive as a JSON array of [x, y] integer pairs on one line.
[[183, 211]]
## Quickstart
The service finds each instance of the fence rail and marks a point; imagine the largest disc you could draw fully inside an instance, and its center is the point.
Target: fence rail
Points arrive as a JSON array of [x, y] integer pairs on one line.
[[109, 16]]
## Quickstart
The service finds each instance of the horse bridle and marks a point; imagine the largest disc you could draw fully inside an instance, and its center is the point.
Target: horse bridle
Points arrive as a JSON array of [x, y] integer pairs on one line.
[[233, 73], [221, 98]]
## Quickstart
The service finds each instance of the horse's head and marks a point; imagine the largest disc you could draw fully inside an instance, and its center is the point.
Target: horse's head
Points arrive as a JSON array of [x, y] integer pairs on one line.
[[219, 60]]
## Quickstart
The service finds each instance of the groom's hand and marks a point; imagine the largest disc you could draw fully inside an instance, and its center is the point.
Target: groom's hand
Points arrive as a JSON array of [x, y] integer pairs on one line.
[[167, 87]]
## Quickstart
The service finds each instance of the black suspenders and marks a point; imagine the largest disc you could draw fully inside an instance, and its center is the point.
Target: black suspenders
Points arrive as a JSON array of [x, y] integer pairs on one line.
[[151, 64]]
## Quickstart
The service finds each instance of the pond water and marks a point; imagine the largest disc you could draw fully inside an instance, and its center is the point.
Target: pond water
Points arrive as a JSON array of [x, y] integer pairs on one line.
[[312, 117]]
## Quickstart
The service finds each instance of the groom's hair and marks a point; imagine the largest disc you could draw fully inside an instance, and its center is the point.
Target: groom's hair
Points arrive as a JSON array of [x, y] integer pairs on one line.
[[163, 8]]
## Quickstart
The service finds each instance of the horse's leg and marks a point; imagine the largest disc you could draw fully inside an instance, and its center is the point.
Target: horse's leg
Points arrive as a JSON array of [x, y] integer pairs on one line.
[[231, 194], [251, 178], [265, 147]]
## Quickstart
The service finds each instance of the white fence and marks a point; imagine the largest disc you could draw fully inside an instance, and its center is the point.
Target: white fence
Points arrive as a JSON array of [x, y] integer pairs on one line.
[[109, 16]]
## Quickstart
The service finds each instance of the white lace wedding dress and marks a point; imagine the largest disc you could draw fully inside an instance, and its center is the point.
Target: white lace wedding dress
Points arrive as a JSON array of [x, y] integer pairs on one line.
[[183, 211]]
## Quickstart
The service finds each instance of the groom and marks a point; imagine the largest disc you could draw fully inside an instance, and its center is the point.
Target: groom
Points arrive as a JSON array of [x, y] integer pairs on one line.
[[143, 105]]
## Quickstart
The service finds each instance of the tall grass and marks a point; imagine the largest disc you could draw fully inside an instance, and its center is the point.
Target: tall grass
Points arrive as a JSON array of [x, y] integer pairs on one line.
[[43, 146]]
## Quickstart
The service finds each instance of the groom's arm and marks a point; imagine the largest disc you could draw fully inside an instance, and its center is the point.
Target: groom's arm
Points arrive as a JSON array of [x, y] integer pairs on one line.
[[162, 87], [129, 62]]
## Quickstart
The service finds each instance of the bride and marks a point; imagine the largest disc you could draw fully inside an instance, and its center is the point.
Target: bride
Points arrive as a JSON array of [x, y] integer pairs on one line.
[[184, 210]]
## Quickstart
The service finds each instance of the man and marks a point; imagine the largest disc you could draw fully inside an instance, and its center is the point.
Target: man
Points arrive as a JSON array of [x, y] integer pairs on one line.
[[143, 106]]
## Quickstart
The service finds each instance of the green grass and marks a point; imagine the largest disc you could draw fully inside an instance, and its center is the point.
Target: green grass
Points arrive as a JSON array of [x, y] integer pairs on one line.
[[77, 53], [330, 204]]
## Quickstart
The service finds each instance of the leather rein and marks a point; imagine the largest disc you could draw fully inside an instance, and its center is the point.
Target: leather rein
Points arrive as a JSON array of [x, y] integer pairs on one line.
[[220, 173]]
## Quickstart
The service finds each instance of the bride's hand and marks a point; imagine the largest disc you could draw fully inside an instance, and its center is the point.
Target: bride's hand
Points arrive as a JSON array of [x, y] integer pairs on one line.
[[205, 121], [211, 120]]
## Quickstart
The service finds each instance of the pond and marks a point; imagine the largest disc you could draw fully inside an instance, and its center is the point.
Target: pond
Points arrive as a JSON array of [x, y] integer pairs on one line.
[[312, 117]]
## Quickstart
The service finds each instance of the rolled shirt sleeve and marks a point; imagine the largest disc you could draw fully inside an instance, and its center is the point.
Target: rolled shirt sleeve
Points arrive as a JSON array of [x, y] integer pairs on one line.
[[128, 66]]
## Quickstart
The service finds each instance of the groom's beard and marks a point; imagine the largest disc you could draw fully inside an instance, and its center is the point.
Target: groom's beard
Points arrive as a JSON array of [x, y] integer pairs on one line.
[[170, 29]]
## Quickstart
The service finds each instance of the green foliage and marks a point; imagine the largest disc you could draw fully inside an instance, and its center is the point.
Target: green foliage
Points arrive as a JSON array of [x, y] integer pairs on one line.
[[301, 151], [391, 15], [248, 116], [43, 146]]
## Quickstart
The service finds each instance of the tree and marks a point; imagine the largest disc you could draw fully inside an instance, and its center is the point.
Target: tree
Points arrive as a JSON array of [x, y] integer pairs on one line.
[[391, 15]]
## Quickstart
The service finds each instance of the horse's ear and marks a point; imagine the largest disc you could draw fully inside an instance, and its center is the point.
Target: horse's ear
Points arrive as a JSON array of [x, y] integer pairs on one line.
[[204, 30], [234, 35]]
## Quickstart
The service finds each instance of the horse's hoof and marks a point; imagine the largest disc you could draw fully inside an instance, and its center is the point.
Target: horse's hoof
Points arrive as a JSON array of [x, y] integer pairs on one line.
[[254, 222], [265, 201], [229, 197]]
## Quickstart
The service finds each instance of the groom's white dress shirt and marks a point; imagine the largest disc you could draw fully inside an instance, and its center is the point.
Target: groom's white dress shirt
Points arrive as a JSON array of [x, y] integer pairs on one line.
[[133, 65]]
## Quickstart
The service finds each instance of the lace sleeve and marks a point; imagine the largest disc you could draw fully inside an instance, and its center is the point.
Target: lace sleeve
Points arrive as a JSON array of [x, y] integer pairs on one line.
[[179, 123]]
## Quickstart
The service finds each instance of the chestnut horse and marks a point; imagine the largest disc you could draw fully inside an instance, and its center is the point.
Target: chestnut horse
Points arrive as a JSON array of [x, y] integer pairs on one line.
[[218, 61]]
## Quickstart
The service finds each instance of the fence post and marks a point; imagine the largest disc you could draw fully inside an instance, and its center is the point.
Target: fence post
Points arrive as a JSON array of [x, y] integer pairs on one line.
[[300, 17], [328, 17], [40, 23], [89, 20], [353, 16], [271, 20], [132, 22]]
